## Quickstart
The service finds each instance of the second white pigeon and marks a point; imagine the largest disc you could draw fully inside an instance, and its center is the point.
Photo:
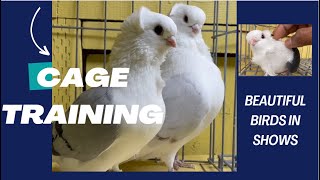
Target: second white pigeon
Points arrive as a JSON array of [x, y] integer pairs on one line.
[[194, 90]]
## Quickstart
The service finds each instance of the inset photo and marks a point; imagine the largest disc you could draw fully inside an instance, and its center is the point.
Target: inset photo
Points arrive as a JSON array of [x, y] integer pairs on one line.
[[275, 50]]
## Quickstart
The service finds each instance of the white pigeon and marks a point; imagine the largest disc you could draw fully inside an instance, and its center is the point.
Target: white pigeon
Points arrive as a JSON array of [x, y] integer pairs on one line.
[[272, 55], [194, 91], [142, 45]]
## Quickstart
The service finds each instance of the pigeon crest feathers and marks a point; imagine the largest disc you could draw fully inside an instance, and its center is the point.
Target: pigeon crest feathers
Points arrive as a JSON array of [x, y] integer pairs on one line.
[[144, 39], [135, 21], [144, 20]]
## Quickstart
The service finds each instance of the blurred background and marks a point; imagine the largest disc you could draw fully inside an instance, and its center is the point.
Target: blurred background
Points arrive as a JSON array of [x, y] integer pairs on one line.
[[83, 34], [245, 53]]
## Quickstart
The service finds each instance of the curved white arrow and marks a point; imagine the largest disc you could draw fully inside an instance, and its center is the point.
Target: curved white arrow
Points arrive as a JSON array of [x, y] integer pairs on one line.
[[43, 51]]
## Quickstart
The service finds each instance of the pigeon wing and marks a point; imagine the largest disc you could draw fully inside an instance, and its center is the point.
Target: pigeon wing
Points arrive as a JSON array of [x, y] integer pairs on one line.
[[85, 141]]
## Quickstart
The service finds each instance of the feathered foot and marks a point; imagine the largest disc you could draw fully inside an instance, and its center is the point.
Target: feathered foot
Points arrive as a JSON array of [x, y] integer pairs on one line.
[[115, 168], [178, 163]]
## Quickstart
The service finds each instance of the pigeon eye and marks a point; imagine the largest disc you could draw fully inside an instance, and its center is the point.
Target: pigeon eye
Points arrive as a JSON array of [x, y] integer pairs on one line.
[[262, 36], [158, 30], [185, 18]]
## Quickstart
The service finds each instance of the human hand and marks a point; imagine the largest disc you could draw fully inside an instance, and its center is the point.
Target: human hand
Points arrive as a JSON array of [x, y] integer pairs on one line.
[[302, 36]]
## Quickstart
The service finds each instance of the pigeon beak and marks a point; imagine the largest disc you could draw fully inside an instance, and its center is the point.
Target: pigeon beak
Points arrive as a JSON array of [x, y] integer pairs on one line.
[[195, 28], [171, 41], [253, 42]]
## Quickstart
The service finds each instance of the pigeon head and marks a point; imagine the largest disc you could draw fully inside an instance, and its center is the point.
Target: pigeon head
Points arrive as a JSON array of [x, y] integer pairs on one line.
[[189, 19], [256, 36], [154, 29]]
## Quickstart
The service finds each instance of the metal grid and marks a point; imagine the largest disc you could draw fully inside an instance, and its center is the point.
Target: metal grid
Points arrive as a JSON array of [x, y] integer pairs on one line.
[[246, 68], [221, 161]]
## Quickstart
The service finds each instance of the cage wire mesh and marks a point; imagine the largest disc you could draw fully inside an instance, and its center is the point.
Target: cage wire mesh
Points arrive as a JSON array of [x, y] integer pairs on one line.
[[246, 68], [70, 31]]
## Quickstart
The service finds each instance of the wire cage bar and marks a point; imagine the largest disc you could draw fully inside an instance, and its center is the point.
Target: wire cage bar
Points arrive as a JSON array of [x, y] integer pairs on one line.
[[218, 158], [246, 68]]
